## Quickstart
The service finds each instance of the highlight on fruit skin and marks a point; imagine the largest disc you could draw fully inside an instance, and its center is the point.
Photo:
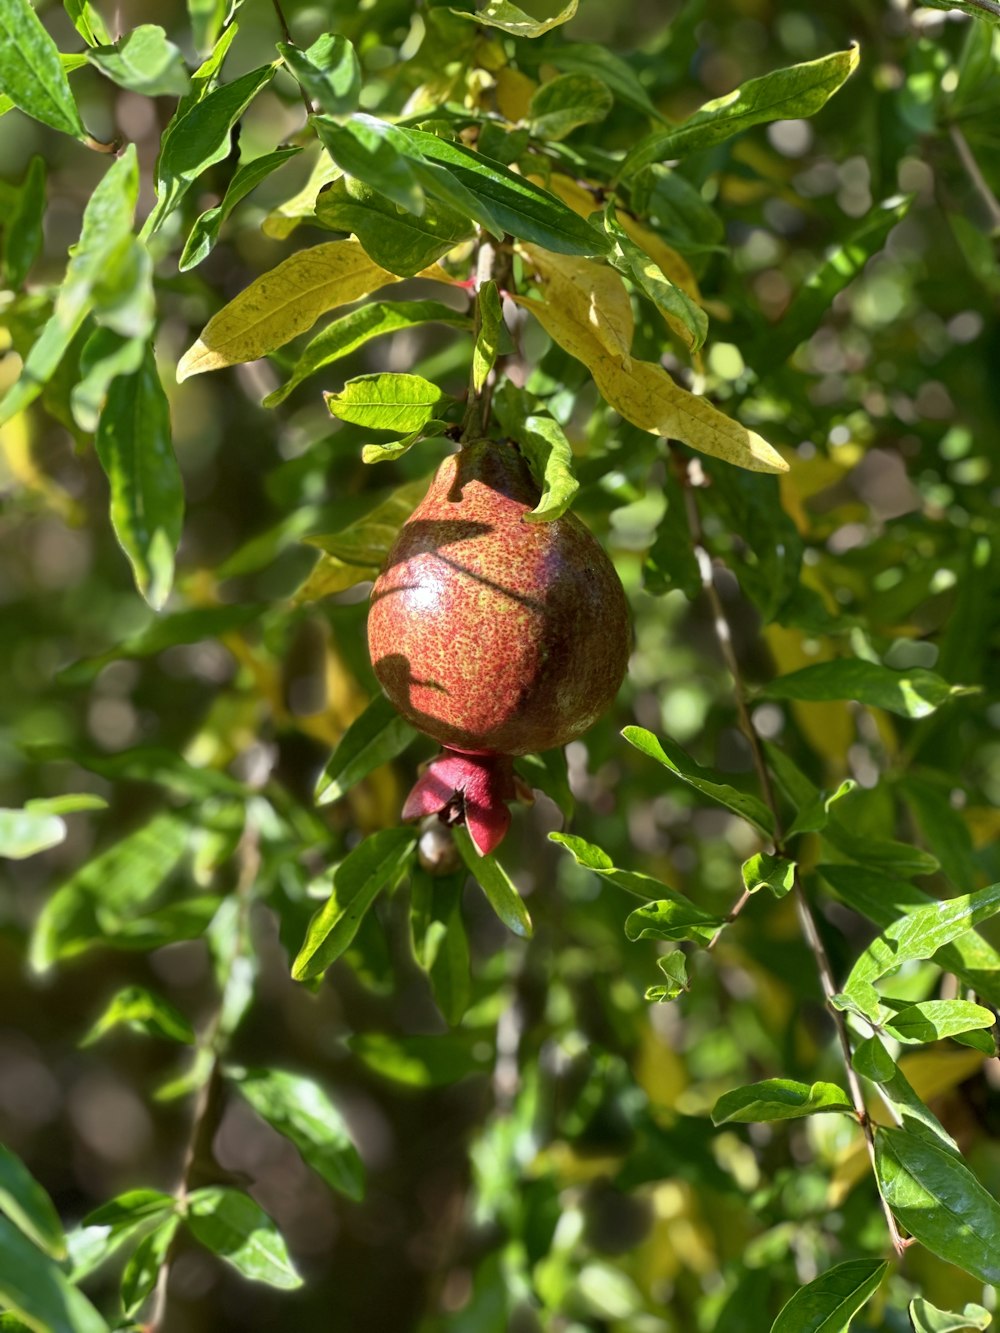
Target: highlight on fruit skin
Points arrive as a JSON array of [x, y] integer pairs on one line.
[[494, 636]]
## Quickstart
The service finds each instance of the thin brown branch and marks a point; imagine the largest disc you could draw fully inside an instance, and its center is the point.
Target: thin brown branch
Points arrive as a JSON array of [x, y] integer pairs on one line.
[[289, 41], [806, 917], [207, 1103], [972, 169], [493, 262]]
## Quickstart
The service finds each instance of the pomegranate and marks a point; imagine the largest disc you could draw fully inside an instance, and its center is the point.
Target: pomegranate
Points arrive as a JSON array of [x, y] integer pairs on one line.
[[495, 636]]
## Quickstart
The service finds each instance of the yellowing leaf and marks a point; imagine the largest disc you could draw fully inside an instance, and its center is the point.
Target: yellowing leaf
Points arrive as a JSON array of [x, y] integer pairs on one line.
[[673, 265], [589, 296], [571, 192], [283, 303], [647, 396], [282, 220], [514, 91]]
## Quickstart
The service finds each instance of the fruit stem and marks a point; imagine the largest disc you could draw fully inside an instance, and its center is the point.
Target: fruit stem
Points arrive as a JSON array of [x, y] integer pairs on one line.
[[493, 262]]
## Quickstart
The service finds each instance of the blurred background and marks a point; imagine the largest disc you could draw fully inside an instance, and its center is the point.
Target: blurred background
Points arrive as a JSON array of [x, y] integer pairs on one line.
[[562, 1136]]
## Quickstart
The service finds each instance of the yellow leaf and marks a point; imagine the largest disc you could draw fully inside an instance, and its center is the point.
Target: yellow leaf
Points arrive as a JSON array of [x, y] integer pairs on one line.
[[672, 265], [283, 303], [592, 297], [571, 192], [646, 396], [514, 93]]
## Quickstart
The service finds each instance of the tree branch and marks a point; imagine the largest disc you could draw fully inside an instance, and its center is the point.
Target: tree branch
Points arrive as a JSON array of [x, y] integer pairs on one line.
[[973, 171], [806, 918], [493, 262], [211, 1043]]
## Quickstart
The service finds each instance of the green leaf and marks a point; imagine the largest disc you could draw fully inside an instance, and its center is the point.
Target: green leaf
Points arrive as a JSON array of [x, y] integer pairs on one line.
[[814, 297], [359, 550], [494, 881], [402, 242], [931, 1020], [988, 11], [386, 401], [147, 497], [22, 227], [672, 757], [940, 1202], [374, 738], [917, 935], [328, 70], [944, 829], [31, 72], [830, 1301], [88, 22], [26, 832], [28, 1205], [232, 1226], [673, 965], [784, 94], [507, 200], [141, 1010], [106, 229], [375, 864], [298, 1108], [374, 152], [549, 772], [142, 1271], [602, 64], [387, 453], [764, 871], [205, 232], [814, 816], [873, 1061], [34, 1287], [124, 1211], [912, 693], [104, 357], [779, 1099], [197, 138], [490, 336], [422, 1062], [684, 316], [592, 857], [677, 208], [95, 903], [440, 944], [353, 330], [509, 18], [550, 458], [144, 62], [671, 919], [566, 102], [207, 19], [927, 1318]]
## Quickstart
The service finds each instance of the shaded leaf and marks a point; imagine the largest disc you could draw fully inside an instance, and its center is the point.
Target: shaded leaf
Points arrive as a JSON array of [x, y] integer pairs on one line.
[[913, 693], [491, 333], [232, 1226], [672, 757], [440, 944], [673, 965], [375, 737], [422, 1062], [779, 1099], [135, 446], [34, 1287], [830, 1302], [566, 102], [494, 881], [205, 232], [26, 832], [784, 94], [22, 228], [403, 243], [142, 1271], [300, 1109], [28, 1205], [375, 864]]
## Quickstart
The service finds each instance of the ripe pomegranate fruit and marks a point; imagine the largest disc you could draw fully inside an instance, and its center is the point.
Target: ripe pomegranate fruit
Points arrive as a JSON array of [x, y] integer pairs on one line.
[[495, 636]]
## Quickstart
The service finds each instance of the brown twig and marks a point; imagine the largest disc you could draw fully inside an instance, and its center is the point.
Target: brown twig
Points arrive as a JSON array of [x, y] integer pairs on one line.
[[205, 1112], [493, 262], [806, 917], [289, 41], [972, 170]]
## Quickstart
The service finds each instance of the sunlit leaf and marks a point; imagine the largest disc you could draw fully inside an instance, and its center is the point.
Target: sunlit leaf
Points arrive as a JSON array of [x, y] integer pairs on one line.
[[509, 18], [238, 1230], [779, 1099], [31, 72], [328, 70], [28, 1205], [927, 1318], [764, 871], [141, 1010], [830, 1301], [930, 1020], [385, 401], [34, 1287], [143, 61]]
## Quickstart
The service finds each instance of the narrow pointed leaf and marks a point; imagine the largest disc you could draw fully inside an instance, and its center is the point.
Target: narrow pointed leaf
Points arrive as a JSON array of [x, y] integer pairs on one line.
[[494, 881], [238, 1230], [31, 72], [28, 1205], [205, 232], [779, 1099], [141, 1010], [913, 693], [830, 1302], [378, 735]]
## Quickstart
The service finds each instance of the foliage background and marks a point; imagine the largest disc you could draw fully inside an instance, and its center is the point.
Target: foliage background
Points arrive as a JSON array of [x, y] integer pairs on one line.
[[578, 1162]]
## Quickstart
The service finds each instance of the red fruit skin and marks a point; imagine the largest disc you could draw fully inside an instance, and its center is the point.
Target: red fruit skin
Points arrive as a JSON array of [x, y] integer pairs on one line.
[[489, 633]]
